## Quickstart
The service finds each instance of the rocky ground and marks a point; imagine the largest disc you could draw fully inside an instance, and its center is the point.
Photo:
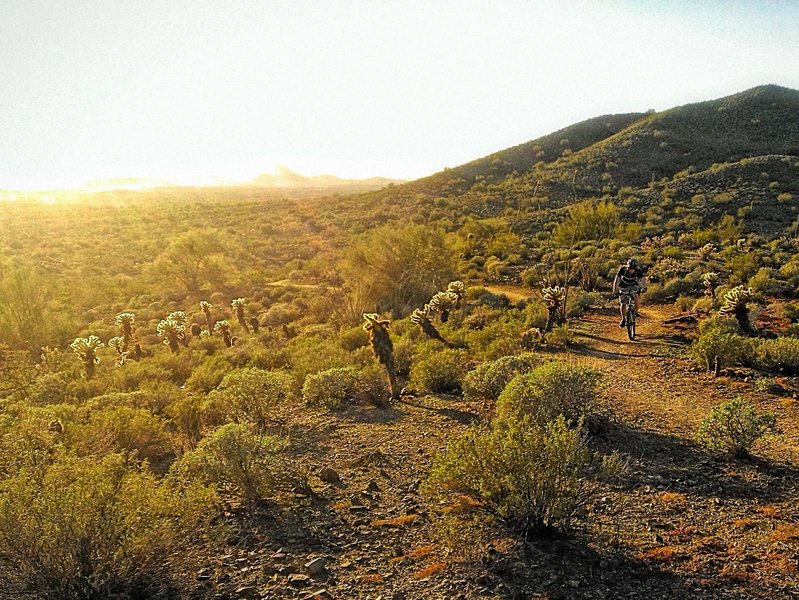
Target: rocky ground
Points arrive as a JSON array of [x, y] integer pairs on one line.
[[681, 523]]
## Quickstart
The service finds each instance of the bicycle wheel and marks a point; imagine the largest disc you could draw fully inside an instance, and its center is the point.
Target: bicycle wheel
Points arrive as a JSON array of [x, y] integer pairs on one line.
[[631, 323]]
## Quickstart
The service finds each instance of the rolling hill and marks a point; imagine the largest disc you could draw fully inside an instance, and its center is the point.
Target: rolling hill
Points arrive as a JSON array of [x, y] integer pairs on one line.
[[732, 143]]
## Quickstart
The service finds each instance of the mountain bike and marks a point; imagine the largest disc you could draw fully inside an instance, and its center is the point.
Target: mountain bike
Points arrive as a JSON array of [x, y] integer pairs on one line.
[[628, 300]]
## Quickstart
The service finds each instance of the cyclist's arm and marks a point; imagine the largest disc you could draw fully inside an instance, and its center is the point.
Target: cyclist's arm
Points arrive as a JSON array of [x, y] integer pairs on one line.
[[616, 284], [642, 283]]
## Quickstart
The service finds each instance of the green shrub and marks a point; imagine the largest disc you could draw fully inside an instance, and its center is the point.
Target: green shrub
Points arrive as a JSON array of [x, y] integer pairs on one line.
[[560, 336], [252, 394], [780, 354], [553, 389], [532, 477], [88, 528], [314, 353], [720, 338], [791, 310], [331, 389], [489, 379], [124, 429], [734, 427], [209, 374], [441, 371], [239, 461]]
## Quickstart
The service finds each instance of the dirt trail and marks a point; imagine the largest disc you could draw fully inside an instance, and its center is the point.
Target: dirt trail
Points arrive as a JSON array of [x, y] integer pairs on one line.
[[682, 523]]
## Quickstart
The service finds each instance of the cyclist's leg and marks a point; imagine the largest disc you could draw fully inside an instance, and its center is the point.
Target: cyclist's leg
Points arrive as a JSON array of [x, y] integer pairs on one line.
[[623, 310], [637, 298]]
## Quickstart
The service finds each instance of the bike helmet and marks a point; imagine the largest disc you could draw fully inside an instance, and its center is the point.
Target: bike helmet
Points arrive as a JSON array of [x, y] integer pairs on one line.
[[632, 263]]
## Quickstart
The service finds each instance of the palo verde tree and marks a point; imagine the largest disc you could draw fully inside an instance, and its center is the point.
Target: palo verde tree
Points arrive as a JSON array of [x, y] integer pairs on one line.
[[238, 306], [86, 350], [383, 348], [400, 267], [194, 259]]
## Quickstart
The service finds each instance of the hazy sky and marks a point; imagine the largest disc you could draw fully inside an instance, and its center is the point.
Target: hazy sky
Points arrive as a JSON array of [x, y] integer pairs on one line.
[[184, 90]]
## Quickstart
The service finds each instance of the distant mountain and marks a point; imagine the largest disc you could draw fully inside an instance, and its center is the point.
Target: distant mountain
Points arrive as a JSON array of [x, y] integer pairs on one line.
[[288, 179], [124, 183]]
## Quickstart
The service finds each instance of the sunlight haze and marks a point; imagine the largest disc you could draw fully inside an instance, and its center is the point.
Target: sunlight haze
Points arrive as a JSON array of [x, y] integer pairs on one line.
[[186, 92]]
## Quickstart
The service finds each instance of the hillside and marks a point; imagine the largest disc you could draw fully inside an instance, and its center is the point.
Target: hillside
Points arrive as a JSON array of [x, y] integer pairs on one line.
[[632, 154]]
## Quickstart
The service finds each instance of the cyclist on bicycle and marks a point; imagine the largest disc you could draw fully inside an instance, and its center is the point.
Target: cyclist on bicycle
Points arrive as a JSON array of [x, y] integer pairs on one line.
[[629, 280]]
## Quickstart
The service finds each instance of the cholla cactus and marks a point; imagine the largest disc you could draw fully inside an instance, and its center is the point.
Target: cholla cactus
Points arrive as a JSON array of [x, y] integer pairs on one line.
[[173, 332], [223, 328], [238, 306], [710, 281], [255, 324], [180, 317], [118, 344], [532, 338], [86, 349], [209, 320], [458, 288], [667, 268], [555, 299], [125, 323], [422, 318], [383, 348], [442, 303], [705, 252], [735, 305], [652, 243]]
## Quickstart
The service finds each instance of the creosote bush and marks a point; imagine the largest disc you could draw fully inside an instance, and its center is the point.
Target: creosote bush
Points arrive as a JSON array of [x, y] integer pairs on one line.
[[88, 528], [734, 427], [489, 379], [252, 394], [720, 344], [532, 477], [241, 462], [331, 389], [553, 389], [334, 388], [440, 371], [780, 355]]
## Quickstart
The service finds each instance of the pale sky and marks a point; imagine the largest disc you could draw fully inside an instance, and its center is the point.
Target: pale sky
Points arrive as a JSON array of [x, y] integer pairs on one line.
[[188, 90]]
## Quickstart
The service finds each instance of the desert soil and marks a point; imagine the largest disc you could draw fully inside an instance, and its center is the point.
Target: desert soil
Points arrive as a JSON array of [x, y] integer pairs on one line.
[[681, 523]]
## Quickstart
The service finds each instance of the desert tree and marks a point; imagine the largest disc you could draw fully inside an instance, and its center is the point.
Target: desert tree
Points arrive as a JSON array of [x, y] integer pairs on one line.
[[399, 267], [383, 348], [86, 350], [194, 259], [238, 306]]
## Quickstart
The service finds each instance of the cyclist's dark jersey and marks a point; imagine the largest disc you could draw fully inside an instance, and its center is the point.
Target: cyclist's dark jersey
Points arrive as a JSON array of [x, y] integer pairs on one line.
[[627, 279]]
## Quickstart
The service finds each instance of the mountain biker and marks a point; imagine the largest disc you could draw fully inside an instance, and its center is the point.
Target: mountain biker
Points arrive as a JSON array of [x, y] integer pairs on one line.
[[629, 280]]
